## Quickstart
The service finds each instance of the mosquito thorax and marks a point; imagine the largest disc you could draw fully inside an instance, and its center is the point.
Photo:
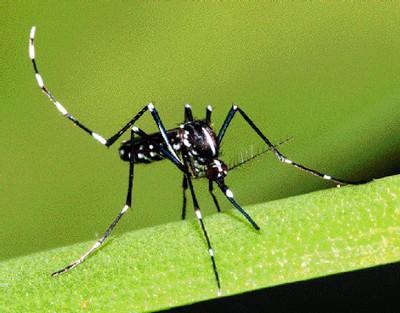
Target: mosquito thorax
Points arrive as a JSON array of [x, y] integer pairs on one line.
[[199, 139], [216, 170]]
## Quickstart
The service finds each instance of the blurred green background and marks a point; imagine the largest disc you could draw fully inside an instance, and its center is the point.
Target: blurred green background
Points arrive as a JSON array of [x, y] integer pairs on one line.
[[326, 73]]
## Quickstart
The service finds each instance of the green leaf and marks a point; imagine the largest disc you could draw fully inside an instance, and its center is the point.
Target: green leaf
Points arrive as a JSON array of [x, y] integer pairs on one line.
[[303, 237]]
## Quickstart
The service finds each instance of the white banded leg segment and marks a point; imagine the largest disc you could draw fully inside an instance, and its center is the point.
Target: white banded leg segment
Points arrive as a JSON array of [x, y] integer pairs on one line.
[[79, 261], [32, 33], [204, 230], [39, 80], [95, 246], [31, 46], [31, 50], [61, 108], [99, 138], [125, 208], [318, 174], [277, 153], [287, 161], [58, 105], [229, 195], [198, 214], [150, 106], [210, 249]]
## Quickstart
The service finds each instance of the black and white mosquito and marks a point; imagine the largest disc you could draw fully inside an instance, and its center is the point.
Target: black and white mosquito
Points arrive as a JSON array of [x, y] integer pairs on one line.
[[193, 148]]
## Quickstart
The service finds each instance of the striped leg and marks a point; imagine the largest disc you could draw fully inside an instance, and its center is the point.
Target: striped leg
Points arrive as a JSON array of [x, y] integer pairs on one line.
[[58, 105], [277, 153], [159, 148], [229, 195], [210, 189], [96, 136], [128, 204], [204, 230]]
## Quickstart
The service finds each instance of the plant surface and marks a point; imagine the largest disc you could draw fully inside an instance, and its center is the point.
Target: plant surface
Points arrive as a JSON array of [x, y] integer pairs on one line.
[[302, 237]]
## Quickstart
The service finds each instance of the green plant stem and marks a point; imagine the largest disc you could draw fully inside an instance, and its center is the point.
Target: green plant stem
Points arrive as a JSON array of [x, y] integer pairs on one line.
[[303, 237]]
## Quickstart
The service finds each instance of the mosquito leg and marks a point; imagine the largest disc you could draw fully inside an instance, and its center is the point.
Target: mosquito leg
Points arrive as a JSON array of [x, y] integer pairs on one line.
[[159, 148], [208, 114], [211, 190], [47, 92], [128, 204], [188, 113], [204, 230], [184, 189], [229, 195], [106, 142], [277, 153]]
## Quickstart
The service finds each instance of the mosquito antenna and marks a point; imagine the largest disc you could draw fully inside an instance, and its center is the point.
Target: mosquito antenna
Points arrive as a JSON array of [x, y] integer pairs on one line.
[[253, 156]]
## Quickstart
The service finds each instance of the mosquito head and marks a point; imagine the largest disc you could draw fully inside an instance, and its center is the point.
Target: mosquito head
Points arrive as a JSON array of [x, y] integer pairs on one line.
[[216, 170]]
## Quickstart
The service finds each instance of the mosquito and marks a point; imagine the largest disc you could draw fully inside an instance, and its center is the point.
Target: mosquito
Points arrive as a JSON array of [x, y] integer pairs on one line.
[[193, 147]]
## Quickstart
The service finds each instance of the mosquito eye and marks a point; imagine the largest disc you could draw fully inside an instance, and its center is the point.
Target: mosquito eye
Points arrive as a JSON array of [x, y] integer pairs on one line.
[[212, 173]]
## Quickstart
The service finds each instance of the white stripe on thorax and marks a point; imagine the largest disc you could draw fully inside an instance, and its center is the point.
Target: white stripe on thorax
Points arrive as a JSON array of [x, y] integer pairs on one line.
[[210, 140]]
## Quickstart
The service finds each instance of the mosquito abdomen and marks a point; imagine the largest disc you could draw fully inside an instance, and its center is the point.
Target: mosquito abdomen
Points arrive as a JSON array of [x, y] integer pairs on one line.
[[144, 152]]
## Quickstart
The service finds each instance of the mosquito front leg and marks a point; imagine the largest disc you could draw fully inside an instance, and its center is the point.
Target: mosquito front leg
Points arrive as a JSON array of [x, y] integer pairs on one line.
[[211, 191], [229, 195]]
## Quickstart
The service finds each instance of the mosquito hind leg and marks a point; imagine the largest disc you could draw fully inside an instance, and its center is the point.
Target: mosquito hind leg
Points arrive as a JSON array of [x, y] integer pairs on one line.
[[277, 153], [229, 195]]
